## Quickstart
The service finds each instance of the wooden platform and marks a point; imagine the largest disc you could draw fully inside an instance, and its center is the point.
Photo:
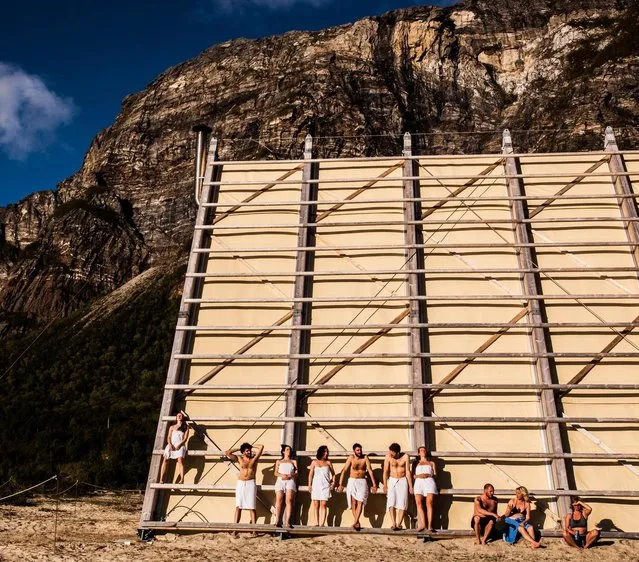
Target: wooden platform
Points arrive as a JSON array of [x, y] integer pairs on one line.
[[302, 530]]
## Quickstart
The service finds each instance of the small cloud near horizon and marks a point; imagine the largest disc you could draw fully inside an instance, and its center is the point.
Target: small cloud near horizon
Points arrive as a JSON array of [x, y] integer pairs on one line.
[[242, 5], [30, 112]]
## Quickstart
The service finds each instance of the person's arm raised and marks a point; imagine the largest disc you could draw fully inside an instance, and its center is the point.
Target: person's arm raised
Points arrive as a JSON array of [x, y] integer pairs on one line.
[[260, 450], [230, 454], [587, 509]]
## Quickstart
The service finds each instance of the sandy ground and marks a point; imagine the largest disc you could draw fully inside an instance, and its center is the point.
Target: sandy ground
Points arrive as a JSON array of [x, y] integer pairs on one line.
[[104, 528]]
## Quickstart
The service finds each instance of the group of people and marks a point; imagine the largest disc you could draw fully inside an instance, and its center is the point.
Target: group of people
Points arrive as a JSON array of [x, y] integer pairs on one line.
[[516, 520], [401, 478]]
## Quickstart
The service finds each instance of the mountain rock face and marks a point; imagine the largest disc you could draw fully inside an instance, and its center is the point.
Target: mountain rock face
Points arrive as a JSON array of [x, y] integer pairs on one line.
[[555, 72]]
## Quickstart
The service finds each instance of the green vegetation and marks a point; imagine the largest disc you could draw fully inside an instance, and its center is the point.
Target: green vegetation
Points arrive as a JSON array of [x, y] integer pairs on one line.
[[83, 401]]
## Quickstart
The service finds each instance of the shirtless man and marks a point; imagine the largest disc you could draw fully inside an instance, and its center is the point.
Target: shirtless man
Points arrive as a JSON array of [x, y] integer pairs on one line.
[[246, 490], [398, 483], [485, 514], [357, 488]]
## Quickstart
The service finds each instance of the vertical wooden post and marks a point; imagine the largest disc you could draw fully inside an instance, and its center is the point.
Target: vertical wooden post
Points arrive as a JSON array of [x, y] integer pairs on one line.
[[182, 340], [301, 339], [623, 186], [415, 287], [531, 286]]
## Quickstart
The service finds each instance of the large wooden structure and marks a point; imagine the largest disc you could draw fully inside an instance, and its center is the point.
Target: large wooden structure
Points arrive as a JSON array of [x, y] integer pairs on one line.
[[484, 305]]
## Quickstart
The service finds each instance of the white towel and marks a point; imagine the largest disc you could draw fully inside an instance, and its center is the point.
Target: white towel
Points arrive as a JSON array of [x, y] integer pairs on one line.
[[357, 488], [397, 493], [245, 494]]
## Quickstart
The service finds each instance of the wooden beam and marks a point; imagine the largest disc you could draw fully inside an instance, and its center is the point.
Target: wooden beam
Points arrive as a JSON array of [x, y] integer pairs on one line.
[[239, 420], [381, 333], [358, 191], [378, 456], [418, 338], [623, 188], [302, 311], [255, 195], [483, 347], [182, 340], [539, 208], [530, 283], [621, 336]]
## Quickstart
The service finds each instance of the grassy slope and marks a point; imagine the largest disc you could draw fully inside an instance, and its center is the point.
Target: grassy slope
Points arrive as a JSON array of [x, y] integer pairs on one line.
[[83, 402]]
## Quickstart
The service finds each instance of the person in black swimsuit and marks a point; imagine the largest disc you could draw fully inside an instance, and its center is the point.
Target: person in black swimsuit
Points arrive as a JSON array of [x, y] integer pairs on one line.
[[517, 515], [576, 526]]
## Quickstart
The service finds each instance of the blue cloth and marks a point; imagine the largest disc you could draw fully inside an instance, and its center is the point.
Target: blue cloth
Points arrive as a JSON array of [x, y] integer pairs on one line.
[[511, 530]]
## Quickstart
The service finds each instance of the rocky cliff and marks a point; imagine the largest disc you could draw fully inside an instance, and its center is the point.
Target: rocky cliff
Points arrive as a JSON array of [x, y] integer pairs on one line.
[[554, 71]]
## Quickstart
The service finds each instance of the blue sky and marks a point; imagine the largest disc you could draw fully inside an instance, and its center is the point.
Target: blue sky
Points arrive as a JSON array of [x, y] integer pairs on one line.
[[65, 65]]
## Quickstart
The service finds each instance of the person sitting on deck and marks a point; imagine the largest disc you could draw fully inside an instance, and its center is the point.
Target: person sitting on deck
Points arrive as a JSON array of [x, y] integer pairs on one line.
[[245, 489], [321, 481], [485, 514], [517, 519], [398, 483], [176, 448], [576, 526], [285, 487], [358, 466]]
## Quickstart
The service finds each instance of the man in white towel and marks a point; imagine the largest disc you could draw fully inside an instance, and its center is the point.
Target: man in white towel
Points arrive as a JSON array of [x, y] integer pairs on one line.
[[246, 490], [357, 488], [398, 484]]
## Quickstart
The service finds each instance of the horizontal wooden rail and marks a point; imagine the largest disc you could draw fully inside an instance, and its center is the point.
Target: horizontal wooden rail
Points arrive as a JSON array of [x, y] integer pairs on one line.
[[422, 178], [400, 247], [430, 298], [404, 386], [443, 491], [236, 420], [303, 530], [379, 455], [327, 356], [400, 327], [440, 199], [432, 157], [451, 223], [402, 272]]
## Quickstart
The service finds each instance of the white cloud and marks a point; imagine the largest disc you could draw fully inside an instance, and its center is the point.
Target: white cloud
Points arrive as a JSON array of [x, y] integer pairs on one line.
[[29, 112], [243, 5]]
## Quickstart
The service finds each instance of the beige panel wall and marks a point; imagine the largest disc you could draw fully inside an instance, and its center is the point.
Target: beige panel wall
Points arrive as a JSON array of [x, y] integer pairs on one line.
[[336, 230], [593, 475]]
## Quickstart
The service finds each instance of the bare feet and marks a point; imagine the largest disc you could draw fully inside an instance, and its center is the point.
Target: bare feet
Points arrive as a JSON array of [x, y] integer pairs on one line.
[[420, 529]]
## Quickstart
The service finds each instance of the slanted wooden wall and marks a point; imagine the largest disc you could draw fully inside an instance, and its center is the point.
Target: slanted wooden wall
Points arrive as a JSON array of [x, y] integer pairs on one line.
[[476, 311]]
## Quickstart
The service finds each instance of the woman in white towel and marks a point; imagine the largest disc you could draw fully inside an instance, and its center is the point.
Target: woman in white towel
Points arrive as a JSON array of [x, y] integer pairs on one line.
[[285, 487], [424, 473], [176, 448], [321, 481]]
